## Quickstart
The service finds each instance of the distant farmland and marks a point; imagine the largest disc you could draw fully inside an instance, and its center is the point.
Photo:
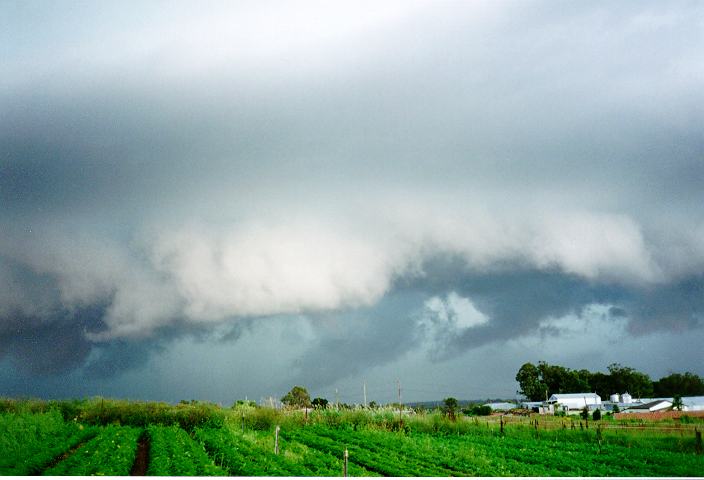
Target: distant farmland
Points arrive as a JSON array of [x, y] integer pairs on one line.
[[109, 437]]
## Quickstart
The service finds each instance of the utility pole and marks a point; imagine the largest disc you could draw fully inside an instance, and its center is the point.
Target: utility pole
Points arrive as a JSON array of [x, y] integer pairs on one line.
[[365, 394]]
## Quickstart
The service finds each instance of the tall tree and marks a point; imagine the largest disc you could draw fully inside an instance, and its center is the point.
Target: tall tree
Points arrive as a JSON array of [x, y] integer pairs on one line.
[[626, 379], [686, 385], [529, 379], [297, 397], [451, 405]]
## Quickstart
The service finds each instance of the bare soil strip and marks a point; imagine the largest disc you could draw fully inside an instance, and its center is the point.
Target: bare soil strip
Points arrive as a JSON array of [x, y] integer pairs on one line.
[[141, 461], [62, 457]]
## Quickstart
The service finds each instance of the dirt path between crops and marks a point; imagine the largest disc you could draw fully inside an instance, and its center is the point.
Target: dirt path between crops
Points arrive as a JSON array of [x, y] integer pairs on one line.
[[62, 457], [141, 461]]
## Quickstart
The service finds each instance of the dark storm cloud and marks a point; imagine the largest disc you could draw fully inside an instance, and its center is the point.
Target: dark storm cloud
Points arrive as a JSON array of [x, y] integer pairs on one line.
[[169, 171], [50, 346], [359, 340]]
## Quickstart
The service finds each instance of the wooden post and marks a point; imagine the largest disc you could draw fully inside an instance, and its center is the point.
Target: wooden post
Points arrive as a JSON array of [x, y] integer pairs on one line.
[[276, 440], [698, 441], [502, 424], [400, 413], [346, 456], [242, 423]]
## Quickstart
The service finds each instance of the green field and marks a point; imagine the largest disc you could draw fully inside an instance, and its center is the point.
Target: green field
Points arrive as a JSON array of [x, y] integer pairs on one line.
[[104, 437]]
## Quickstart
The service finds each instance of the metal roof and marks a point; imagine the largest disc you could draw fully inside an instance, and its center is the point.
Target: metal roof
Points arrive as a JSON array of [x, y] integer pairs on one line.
[[574, 395]]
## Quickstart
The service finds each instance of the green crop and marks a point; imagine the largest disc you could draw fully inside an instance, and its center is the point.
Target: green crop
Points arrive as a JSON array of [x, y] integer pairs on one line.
[[173, 452], [30, 441], [241, 457], [112, 452]]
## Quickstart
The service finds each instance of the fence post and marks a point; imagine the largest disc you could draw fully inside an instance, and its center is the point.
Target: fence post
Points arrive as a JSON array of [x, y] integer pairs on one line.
[[346, 456], [698, 441], [502, 424], [276, 440]]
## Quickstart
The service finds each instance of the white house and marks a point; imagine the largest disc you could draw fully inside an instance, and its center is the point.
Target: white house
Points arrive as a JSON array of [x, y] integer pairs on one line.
[[575, 401]]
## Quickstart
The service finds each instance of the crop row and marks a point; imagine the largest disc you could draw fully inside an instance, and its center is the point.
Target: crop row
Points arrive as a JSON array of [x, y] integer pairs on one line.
[[172, 452], [320, 462], [112, 452], [586, 459], [29, 442], [419, 454], [381, 460], [241, 457]]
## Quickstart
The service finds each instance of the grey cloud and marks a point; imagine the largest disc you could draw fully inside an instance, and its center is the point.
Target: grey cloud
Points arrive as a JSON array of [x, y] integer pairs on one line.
[[188, 171]]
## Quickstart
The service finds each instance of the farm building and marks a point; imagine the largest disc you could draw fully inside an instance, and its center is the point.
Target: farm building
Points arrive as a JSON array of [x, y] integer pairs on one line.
[[575, 401], [689, 404], [501, 406], [654, 406], [693, 404]]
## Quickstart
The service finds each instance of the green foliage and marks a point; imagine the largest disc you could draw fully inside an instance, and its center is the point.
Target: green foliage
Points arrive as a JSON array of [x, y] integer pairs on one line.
[[686, 385], [112, 452], [427, 445], [297, 397], [320, 402], [243, 458], [626, 379], [263, 418], [584, 413], [596, 415], [30, 441], [478, 410], [172, 452], [677, 402], [536, 381], [451, 405], [531, 385], [100, 411]]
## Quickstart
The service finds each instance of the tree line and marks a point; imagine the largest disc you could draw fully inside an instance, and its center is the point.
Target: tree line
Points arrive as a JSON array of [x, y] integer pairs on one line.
[[537, 382]]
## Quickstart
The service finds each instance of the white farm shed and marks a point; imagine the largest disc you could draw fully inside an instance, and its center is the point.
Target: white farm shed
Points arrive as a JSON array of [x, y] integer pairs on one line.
[[654, 406], [575, 401], [693, 404], [501, 406]]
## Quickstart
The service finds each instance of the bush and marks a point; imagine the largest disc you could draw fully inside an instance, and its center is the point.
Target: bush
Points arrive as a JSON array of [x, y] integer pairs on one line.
[[596, 415], [263, 418], [478, 410]]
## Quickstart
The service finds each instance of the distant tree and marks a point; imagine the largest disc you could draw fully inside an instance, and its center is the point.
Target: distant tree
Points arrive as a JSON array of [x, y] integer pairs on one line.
[[616, 409], [529, 380], [597, 414], [677, 402], [451, 405], [321, 403], [373, 405], [627, 379], [686, 385], [297, 397]]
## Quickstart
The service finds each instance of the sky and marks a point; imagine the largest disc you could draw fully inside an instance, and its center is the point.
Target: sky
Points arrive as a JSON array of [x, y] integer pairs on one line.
[[222, 200]]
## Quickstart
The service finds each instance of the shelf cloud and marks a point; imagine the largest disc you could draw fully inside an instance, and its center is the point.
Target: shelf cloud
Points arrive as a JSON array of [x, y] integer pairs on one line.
[[459, 172]]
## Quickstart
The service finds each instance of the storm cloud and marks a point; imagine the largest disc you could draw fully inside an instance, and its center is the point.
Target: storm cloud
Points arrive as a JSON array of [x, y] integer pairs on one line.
[[450, 175]]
